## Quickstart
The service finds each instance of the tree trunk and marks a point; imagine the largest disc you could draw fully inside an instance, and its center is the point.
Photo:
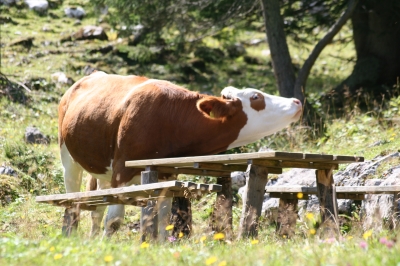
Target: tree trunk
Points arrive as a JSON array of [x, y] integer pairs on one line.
[[376, 27], [281, 60]]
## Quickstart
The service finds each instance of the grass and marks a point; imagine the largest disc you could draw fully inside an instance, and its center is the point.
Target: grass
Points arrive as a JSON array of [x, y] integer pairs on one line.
[[30, 233]]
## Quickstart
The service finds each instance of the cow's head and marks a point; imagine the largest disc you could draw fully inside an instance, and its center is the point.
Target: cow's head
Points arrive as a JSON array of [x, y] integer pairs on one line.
[[265, 113]]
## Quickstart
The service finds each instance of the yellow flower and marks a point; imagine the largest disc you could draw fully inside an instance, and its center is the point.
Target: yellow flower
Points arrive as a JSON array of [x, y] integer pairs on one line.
[[169, 227], [180, 235], [367, 234], [254, 241], [211, 260], [312, 231], [222, 263], [300, 195], [391, 139], [52, 248], [310, 216], [219, 236], [203, 238], [144, 245], [349, 237], [109, 258], [57, 256]]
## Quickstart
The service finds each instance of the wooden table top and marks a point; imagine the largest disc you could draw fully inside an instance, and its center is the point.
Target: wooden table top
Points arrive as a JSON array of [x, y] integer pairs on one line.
[[215, 165]]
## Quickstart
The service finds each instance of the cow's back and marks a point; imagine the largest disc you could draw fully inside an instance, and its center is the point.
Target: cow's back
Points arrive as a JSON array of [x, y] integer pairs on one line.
[[89, 116]]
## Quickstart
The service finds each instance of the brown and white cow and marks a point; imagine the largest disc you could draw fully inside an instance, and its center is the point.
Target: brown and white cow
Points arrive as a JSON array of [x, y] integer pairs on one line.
[[105, 120]]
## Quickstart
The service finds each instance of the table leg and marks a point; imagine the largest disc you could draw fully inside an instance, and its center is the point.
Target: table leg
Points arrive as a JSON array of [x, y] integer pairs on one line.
[[328, 203], [181, 216], [222, 213], [71, 221], [256, 179], [148, 218], [287, 217]]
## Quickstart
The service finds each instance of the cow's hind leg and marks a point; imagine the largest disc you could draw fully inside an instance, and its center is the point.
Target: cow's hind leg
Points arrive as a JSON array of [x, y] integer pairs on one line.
[[72, 180]]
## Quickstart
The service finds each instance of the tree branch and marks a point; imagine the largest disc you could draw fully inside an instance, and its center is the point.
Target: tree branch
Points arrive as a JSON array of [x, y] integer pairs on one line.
[[299, 88]]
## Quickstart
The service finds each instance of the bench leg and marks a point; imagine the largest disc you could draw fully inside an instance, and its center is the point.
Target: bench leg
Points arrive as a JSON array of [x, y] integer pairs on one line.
[[148, 218], [328, 203], [71, 221], [181, 216], [287, 217], [222, 213], [256, 179]]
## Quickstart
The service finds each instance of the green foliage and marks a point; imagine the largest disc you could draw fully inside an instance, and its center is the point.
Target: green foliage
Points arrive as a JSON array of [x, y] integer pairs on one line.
[[35, 165], [8, 190]]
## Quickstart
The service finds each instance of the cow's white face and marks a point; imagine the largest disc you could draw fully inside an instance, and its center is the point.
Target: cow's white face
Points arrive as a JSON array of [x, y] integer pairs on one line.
[[266, 113]]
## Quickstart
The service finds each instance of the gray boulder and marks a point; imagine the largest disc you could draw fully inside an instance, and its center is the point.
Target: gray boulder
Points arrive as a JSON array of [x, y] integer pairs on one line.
[[6, 170], [34, 136], [39, 6], [75, 12]]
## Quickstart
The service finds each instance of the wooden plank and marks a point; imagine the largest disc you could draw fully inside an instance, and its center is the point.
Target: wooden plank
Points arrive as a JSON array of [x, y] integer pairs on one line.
[[293, 164], [328, 204], [350, 196], [287, 195], [368, 189], [287, 217], [189, 171], [221, 167], [111, 191], [243, 157], [339, 189], [148, 218], [257, 177]]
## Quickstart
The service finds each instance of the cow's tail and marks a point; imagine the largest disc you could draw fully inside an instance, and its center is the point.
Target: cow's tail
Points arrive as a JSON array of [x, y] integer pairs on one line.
[[91, 183]]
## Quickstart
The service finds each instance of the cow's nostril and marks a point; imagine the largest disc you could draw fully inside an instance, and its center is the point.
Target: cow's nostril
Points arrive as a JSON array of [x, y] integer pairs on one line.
[[297, 102]]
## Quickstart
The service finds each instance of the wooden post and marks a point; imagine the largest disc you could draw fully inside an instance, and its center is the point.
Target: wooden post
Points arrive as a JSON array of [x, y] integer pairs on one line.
[[222, 214], [148, 219], [71, 221], [181, 216], [256, 179], [328, 203], [287, 217]]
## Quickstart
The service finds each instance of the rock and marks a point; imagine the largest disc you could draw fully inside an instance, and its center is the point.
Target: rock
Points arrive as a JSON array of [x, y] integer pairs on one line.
[[26, 42], [6, 170], [236, 50], [88, 33], [238, 180], [77, 22], [87, 70], [39, 6], [75, 12], [34, 136], [61, 78], [382, 211], [8, 2]]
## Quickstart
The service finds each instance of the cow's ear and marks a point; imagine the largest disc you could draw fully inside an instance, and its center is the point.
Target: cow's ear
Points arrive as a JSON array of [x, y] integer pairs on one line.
[[214, 107]]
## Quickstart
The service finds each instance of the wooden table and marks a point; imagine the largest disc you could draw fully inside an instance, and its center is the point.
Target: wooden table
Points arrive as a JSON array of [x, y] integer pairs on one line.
[[257, 166]]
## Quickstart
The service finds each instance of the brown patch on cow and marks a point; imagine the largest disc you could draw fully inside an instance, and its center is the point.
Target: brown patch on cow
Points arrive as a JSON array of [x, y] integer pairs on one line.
[[257, 101], [158, 120]]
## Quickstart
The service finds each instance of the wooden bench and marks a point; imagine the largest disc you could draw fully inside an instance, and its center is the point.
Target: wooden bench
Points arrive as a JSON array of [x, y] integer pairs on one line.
[[289, 197], [141, 195], [257, 166]]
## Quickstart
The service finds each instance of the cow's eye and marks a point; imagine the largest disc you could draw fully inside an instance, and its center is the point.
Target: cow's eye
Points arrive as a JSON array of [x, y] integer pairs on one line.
[[255, 97]]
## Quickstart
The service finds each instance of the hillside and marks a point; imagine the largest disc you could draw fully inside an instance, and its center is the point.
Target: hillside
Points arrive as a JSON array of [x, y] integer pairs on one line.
[[43, 53]]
